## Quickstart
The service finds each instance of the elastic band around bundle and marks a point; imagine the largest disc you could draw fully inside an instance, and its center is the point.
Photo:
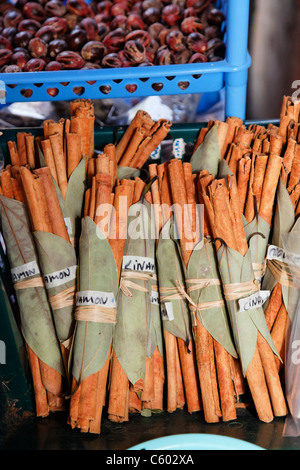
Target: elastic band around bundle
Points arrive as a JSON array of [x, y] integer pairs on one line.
[[202, 305], [170, 293], [282, 274], [33, 282], [238, 290], [126, 283], [96, 314], [259, 269], [63, 299]]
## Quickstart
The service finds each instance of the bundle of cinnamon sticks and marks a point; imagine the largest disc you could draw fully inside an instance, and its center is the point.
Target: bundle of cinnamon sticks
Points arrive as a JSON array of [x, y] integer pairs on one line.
[[89, 394], [45, 357]]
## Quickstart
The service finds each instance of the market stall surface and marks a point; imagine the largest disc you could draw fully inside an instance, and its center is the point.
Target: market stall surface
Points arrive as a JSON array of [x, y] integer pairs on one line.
[[53, 433]]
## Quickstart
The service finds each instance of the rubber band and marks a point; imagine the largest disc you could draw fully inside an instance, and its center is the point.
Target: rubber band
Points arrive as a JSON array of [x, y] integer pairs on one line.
[[259, 269], [178, 293], [170, 293], [201, 283], [34, 282], [63, 299], [282, 274], [126, 283], [202, 305], [237, 290], [96, 314]]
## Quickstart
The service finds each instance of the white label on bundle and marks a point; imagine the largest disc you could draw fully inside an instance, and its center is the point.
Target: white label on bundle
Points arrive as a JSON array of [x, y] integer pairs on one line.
[[154, 297], [91, 297], [24, 271], [57, 278], [178, 148], [169, 310], [138, 263], [279, 254], [68, 225], [254, 301], [155, 155]]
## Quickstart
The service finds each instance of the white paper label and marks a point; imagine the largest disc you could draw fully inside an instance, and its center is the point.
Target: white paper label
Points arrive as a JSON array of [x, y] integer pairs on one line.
[[68, 225], [178, 148], [138, 263], [279, 254], [154, 297], [155, 155], [24, 271], [254, 301], [169, 310], [91, 297], [57, 278]]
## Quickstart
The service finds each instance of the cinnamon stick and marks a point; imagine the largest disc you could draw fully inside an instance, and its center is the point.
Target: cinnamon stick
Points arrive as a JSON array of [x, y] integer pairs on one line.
[[30, 150], [278, 334], [294, 176], [49, 158], [73, 142], [22, 148], [271, 178], [243, 175], [138, 135], [60, 164], [58, 226], [13, 153], [6, 184]]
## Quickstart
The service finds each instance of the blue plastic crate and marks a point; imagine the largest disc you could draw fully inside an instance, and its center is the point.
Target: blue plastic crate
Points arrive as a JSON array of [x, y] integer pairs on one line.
[[230, 73]]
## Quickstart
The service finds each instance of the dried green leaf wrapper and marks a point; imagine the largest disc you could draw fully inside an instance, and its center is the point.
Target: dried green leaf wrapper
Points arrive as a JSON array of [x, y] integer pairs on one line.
[[203, 265], [155, 338], [36, 317], [208, 155], [235, 268], [75, 198], [258, 233], [97, 272], [170, 274], [134, 312], [285, 231], [125, 172], [57, 255]]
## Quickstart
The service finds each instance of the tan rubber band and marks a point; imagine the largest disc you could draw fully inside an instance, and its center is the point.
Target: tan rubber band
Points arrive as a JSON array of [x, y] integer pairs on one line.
[[202, 305], [282, 274], [126, 284], [259, 269], [170, 293], [238, 290], [96, 314], [201, 283], [66, 298], [34, 282]]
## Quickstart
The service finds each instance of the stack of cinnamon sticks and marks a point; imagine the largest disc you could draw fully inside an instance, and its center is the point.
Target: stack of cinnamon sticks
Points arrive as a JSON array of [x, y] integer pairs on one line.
[[140, 139]]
